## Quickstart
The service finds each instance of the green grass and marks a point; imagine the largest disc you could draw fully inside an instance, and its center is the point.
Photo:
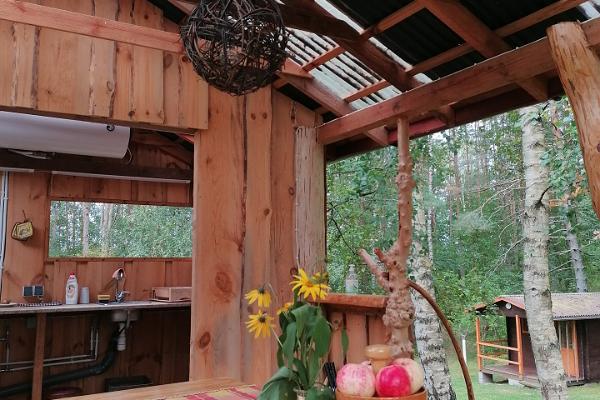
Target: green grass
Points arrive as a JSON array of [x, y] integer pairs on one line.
[[502, 391]]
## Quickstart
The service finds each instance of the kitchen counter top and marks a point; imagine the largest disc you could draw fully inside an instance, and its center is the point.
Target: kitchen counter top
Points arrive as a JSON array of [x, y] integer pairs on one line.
[[92, 307]]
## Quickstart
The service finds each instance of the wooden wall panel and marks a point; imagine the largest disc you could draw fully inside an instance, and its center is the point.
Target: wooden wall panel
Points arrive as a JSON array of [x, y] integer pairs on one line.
[[74, 76]]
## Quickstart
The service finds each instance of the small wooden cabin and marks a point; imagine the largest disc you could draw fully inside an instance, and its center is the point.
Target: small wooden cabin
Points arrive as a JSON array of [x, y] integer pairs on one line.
[[577, 321]]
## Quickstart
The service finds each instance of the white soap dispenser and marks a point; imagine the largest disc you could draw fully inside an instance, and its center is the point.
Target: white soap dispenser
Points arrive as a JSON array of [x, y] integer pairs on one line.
[[72, 289]]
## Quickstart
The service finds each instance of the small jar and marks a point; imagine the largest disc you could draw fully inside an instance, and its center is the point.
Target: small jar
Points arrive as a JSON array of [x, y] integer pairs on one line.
[[380, 356]]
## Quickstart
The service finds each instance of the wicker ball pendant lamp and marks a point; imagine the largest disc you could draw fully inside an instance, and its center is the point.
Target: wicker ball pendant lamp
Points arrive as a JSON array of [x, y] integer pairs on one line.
[[236, 45]]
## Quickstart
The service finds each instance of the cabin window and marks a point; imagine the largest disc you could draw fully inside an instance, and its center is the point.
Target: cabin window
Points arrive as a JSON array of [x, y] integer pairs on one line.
[[104, 230]]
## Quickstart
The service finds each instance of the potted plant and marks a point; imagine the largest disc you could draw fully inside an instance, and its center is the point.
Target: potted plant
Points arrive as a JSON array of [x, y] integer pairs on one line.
[[303, 341]]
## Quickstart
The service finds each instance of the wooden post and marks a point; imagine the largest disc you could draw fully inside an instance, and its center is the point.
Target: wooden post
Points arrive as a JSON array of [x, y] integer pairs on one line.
[[579, 70], [478, 340], [519, 346], [38, 360]]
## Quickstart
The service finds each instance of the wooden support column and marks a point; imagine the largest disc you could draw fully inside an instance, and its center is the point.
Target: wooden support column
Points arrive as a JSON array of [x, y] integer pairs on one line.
[[477, 343], [519, 346], [579, 70], [249, 194], [38, 360]]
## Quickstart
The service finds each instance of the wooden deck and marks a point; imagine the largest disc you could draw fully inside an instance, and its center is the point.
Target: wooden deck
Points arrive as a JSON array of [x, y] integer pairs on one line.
[[530, 378], [512, 372]]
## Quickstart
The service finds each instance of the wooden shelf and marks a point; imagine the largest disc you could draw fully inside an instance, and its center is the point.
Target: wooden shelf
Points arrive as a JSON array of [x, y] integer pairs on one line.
[[355, 302]]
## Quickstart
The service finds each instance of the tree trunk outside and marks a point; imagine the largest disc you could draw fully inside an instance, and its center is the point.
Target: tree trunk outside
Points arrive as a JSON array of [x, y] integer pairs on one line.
[[106, 225], [576, 259], [428, 331], [536, 282], [85, 231]]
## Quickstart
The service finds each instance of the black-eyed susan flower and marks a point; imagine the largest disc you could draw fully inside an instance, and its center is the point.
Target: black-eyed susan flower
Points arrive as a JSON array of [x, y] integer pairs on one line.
[[286, 307], [308, 287], [260, 324], [260, 295]]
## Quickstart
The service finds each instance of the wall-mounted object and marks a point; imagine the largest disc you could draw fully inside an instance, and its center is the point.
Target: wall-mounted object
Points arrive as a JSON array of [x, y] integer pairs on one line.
[[55, 135], [33, 291], [22, 230]]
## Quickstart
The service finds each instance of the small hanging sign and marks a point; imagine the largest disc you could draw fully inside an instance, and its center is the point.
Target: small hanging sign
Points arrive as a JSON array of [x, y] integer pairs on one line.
[[22, 230]]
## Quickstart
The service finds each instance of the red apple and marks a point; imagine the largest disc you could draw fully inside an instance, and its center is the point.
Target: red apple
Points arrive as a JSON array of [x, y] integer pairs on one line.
[[415, 372], [356, 380], [393, 381]]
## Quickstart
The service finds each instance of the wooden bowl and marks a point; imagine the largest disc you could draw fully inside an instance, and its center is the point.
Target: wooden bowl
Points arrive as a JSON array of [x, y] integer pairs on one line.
[[421, 395]]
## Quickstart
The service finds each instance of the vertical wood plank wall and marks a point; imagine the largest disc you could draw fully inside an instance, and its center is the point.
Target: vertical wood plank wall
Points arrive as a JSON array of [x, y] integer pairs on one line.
[[245, 213], [50, 72]]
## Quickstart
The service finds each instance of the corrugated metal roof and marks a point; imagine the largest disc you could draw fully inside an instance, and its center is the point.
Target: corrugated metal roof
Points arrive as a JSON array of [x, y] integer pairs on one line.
[[565, 306]]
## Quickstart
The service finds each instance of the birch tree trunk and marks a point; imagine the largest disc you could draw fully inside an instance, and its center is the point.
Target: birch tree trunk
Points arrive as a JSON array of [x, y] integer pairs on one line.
[[576, 259], [428, 331], [85, 231], [536, 282], [105, 227]]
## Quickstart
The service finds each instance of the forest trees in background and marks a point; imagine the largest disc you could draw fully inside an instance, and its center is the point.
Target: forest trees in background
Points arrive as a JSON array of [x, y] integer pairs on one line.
[[475, 206], [80, 229]]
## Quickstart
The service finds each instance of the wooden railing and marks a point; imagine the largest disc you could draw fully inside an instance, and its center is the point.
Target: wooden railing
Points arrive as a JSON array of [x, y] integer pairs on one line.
[[482, 345], [360, 316]]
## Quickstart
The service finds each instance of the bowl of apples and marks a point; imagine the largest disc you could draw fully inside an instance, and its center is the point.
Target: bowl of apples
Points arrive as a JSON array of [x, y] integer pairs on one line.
[[381, 378]]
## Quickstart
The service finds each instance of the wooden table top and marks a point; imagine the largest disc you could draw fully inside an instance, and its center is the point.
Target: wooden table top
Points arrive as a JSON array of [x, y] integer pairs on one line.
[[162, 392]]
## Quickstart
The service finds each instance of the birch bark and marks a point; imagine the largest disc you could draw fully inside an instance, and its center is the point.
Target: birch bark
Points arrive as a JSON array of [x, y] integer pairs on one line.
[[536, 282]]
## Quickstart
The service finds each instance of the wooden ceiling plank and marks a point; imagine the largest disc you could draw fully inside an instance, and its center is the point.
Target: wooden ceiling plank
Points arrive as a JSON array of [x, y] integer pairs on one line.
[[504, 31], [465, 24], [383, 25], [510, 67]]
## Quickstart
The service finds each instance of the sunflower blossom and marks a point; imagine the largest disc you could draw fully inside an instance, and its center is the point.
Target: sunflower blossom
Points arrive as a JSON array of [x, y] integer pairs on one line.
[[261, 295], [286, 307], [260, 324], [309, 287]]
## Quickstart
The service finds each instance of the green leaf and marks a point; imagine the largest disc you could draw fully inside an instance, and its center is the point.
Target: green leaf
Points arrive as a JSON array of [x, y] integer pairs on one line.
[[302, 315], [345, 342], [289, 345], [280, 386], [313, 368], [322, 337]]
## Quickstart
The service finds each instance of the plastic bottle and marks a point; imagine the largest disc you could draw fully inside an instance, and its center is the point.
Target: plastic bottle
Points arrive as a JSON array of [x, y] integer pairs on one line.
[[351, 283], [72, 289]]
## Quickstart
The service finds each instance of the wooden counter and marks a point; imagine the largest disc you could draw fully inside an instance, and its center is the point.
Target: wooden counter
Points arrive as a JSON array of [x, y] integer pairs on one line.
[[92, 307], [164, 392]]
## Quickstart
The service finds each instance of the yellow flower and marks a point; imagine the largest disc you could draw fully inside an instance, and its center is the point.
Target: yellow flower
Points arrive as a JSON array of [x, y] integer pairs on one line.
[[260, 324], [261, 295], [321, 277], [309, 287], [286, 307]]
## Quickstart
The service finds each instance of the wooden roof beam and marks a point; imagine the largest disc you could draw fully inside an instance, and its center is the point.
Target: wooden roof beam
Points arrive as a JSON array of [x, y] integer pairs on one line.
[[297, 18], [513, 66], [504, 31], [383, 25], [459, 19], [336, 105], [366, 52]]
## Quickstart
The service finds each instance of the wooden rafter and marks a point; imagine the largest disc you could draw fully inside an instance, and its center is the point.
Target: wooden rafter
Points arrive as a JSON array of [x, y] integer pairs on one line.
[[366, 52], [336, 105], [383, 25], [359, 94], [504, 31], [460, 20], [297, 18], [510, 67]]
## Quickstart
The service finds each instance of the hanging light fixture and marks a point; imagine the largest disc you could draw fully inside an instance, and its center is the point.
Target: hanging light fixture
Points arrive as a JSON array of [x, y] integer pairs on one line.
[[236, 45]]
